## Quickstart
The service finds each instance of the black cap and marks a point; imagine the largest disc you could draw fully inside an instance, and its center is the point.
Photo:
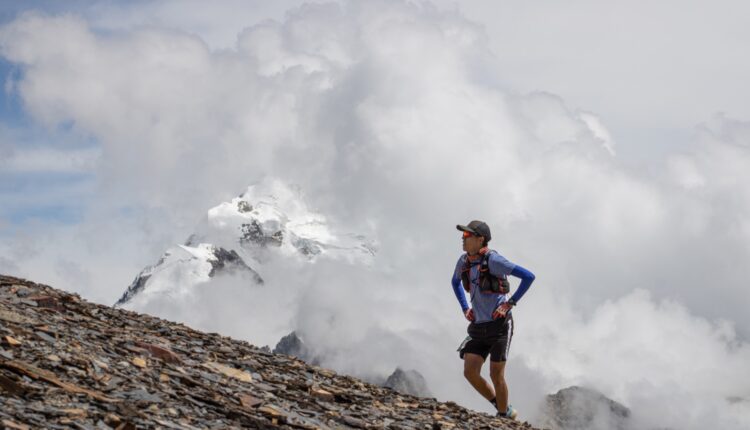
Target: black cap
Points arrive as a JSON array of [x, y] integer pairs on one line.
[[480, 228]]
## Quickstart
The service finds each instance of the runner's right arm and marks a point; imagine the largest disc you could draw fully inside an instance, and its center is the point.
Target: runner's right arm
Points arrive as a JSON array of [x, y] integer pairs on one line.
[[458, 289]]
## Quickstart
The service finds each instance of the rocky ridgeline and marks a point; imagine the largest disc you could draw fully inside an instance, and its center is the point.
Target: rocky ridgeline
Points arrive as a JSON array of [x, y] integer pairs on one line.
[[67, 363], [581, 408], [404, 381]]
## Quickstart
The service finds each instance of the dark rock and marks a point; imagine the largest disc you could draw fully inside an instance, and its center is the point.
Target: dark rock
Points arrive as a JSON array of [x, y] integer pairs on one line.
[[228, 261], [408, 382], [141, 395], [307, 247], [23, 292], [582, 408], [244, 207], [253, 233], [292, 345], [11, 387], [192, 240], [139, 283]]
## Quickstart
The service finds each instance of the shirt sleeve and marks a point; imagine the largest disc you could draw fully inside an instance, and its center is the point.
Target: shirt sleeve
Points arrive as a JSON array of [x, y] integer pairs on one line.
[[500, 265], [526, 279], [458, 289]]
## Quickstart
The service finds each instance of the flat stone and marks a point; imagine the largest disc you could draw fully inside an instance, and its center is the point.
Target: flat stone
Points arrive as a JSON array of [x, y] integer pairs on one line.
[[229, 371], [100, 364], [45, 337], [13, 317], [142, 395], [22, 291], [139, 362], [75, 412], [321, 394], [248, 401], [6, 354], [9, 424], [113, 383], [48, 302], [112, 420], [12, 341], [159, 352], [271, 410], [354, 422], [211, 376]]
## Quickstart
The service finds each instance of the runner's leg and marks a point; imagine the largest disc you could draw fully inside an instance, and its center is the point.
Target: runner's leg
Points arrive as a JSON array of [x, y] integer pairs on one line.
[[498, 357], [472, 368], [497, 374]]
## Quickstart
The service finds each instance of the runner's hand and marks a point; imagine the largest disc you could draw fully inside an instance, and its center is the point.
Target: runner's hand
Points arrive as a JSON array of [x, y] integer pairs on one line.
[[469, 314], [501, 310]]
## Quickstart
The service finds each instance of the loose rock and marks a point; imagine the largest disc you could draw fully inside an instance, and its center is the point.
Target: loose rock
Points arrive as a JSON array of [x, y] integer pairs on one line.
[[74, 364]]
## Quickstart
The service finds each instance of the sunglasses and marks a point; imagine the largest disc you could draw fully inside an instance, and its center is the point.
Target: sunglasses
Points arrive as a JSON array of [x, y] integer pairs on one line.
[[468, 234]]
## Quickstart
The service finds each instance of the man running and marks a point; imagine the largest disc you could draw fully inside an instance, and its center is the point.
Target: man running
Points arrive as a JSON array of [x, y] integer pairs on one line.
[[483, 273]]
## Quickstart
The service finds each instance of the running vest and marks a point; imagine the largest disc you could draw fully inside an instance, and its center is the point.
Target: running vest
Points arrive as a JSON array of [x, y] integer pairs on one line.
[[488, 283]]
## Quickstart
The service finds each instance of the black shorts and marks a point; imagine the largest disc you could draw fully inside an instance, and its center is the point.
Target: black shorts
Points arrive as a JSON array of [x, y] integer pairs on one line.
[[489, 338]]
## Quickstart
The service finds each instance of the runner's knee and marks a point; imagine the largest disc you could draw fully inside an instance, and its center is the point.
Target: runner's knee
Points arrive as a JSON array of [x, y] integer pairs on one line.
[[472, 366], [470, 372], [497, 371]]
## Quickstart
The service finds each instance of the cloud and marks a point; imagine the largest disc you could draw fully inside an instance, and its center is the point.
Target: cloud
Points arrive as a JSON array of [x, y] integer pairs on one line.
[[649, 70], [190, 16], [47, 160], [7, 265], [384, 114], [635, 349]]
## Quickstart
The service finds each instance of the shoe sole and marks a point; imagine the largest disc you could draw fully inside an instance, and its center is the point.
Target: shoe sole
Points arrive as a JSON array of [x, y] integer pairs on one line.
[[511, 417]]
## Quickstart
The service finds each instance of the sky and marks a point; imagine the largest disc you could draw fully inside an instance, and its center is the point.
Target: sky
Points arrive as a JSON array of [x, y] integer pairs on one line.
[[607, 147]]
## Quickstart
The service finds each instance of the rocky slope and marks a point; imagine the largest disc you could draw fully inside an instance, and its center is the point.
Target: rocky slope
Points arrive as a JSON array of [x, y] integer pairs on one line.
[[67, 363]]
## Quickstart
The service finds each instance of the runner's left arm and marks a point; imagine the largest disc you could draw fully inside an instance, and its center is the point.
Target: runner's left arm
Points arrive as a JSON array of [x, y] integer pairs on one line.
[[500, 265], [526, 279]]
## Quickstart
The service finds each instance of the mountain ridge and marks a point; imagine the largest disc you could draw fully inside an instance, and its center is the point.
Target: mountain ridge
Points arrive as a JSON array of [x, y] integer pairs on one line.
[[270, 219]]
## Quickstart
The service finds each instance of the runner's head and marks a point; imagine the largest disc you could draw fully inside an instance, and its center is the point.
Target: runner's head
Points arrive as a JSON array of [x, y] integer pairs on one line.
[[476, 236]]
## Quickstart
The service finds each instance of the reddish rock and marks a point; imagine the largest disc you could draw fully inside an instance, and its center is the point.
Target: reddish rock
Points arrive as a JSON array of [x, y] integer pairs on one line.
[[159, 352]]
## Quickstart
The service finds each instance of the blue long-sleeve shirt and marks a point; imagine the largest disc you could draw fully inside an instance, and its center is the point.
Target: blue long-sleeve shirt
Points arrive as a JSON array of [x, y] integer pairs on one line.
[[483, 303]]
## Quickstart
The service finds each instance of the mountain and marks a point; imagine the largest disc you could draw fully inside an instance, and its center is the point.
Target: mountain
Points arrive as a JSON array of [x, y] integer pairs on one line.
[[183, 267], [68, 363], [580, 408], [292, 345], [408, 382], [269, 220], [404, 381]]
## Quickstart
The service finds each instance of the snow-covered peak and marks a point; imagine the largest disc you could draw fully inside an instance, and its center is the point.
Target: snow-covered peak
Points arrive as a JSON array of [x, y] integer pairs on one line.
[[270, 220], [273, 214]]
